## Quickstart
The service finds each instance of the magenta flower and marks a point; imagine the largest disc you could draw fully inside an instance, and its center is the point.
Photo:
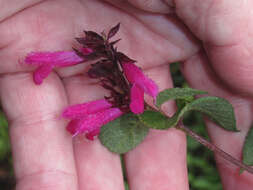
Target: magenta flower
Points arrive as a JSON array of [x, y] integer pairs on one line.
[[140, 84], [90, 117], [80, 110], [49, 60]]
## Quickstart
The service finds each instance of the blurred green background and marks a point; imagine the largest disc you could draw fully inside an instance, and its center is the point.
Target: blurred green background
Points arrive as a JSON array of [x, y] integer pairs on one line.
[[7, 180], [201, 166], [202, 172]]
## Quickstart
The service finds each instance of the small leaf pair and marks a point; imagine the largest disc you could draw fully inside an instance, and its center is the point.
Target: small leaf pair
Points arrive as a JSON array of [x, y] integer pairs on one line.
[[217, 109]]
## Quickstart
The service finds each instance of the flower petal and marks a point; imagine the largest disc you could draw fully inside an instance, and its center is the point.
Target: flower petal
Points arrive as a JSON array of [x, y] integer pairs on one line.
[[149, 87], [92, 123], [60, 58], [41, 73], [74, 126], [97, 120], [93, 133], [80, 110], [137, 99], [135, 75]]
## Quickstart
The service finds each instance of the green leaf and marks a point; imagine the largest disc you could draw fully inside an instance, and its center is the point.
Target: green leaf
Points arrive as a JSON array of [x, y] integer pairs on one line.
[[123, 134], [177, 93], [218, 109], [154, 119], [248, 148], [172, 122]]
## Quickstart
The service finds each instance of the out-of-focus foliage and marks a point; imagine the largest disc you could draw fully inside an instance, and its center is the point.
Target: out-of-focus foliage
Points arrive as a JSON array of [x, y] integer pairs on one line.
[[4, 138], [203, 174], [6, 174], [202, 171]]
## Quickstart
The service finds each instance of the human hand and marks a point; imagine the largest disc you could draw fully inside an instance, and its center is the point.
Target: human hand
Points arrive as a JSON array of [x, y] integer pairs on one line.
[[44, 155], [222, 67]]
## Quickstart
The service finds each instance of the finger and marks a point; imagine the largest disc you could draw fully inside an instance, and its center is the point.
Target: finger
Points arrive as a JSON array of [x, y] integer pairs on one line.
[[142, 33], [97, 167], [172, 40], [42, 149], [9, 8], [225, 28], [153, 6], [200, 76], [159, 162]]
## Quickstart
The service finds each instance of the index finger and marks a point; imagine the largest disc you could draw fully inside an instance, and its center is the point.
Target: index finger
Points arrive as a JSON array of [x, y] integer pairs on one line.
[[42, 149]]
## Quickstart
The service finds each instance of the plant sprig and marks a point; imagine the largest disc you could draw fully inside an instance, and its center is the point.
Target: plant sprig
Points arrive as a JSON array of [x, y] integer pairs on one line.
[[217, 109]]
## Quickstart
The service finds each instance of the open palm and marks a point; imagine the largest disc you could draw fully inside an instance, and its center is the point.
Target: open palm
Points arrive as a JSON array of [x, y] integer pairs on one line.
[[45, 155]]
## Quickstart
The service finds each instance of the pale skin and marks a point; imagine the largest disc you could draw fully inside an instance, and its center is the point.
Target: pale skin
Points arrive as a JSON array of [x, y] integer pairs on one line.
[[203, 35]]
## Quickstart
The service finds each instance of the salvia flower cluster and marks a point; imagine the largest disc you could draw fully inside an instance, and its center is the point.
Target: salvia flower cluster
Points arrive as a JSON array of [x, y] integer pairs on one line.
[[115, 71], [127, 84]]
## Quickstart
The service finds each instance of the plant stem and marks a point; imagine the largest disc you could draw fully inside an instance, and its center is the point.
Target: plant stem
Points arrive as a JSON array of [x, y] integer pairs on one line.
[[208, 144], [215, 149]]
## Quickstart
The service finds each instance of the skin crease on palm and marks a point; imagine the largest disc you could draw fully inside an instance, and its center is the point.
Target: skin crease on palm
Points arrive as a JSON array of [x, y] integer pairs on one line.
[[46, 157]]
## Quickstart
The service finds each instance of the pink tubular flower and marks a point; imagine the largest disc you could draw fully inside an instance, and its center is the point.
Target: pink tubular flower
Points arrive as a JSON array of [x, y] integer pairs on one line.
[[49, 60], [90, 117], [80, 110], [140, 84]]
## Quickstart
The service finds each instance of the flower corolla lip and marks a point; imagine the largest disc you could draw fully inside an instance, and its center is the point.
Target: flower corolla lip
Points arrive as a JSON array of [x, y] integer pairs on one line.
[[49, 60], [140, 84], [90, 117], [41, 73]]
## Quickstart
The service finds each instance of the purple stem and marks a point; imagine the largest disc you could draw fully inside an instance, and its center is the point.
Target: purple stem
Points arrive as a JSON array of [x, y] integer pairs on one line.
[[215, 149]]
